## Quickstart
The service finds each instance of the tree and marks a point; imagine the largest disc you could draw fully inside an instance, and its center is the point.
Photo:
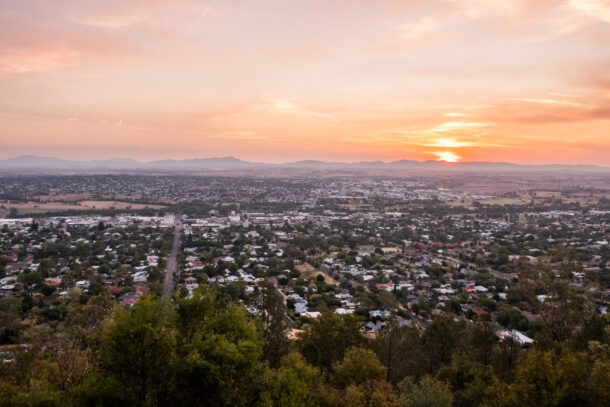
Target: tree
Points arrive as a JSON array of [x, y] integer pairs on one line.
[[480, 341], [371, 393], [40, 394], [439, 341], [398, 348], [429, 392], [136, 348], [358, 365], [546, 378], [563, 311], [325, 339], [471, 383], [101, 391], [296, 383], [600, 373], [218, 353], [272, 313], [47, 290]]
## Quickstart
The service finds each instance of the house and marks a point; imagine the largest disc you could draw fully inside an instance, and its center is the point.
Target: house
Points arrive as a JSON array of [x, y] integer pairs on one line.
[[385, 287], [52, 281], [515, 335]]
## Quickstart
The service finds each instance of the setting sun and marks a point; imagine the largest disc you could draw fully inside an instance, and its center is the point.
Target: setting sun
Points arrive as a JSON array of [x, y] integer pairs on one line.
[[447, 156]]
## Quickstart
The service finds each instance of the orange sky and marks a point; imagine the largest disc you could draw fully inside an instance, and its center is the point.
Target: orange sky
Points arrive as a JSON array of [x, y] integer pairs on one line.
[[346, 80]]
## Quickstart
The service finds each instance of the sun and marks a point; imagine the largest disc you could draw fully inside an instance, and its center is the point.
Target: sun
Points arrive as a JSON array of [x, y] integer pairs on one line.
[[447, 156]]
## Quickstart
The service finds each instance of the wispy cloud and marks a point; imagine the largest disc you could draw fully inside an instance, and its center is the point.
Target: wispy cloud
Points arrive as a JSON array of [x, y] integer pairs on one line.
[[244, 135], [449, 143], [286, 106], [204, 13], [549, 102], [458, 126], [414, 29], [596, 9], [37, 60], [566, 95], [116, 22]]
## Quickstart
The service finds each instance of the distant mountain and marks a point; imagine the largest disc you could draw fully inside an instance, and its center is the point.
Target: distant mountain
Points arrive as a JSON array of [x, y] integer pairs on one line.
[[200, 162], [35, 162], [31, 161], [25, 162]]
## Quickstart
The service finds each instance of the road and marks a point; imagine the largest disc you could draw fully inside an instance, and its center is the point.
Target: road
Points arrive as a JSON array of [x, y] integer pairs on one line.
[[170, 264]]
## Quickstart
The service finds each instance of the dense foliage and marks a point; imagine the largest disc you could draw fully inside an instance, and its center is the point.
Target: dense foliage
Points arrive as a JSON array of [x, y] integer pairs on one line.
[[207, 350]]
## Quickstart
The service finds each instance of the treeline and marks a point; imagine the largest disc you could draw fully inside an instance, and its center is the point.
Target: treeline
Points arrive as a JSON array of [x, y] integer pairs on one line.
[[209, 351]]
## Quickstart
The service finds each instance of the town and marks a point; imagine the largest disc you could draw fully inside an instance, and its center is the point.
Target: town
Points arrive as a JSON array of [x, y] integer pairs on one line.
[[387, 250]]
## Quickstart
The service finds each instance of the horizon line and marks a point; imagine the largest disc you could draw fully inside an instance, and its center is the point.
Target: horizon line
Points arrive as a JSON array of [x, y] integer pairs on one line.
[[302, 161]]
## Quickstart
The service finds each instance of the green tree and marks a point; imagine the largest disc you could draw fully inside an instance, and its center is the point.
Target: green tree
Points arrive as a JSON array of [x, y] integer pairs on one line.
[[101, 391], [218, 354], [544, 378], [371, 393], [325, 339], [399, 349], [358, 365], [429, 392], [272, 314], [471, 383], [440, 340], [296, 383], [136, 348]]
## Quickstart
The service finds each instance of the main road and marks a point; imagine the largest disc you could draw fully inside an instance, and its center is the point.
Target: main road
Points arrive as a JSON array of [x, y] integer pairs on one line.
[[170, 264]]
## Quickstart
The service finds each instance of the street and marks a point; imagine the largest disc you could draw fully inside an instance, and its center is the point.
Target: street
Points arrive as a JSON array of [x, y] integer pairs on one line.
[[170, 265]]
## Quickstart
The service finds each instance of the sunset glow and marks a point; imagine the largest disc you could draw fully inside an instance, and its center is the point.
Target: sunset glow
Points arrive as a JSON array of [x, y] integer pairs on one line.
[[451, 80], [447, 156]]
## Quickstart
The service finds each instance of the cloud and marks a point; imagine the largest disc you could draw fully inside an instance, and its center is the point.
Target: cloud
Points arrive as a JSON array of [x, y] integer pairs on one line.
[[481, 8], [565, 95], [240, 135], [458, 126], [286, 106], [475, 141], [596, 9], [550, 102], [26, 61], [283, 105], [449, 143], [112, 22], [412, 30]]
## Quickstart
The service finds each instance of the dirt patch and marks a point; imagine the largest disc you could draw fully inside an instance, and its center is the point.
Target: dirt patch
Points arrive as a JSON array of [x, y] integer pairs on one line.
[[309, 272], [61, 198], [33, 208], [117, 205]]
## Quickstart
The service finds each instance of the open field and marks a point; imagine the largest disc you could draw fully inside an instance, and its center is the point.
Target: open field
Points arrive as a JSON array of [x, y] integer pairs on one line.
[[468, 203], [308, 271], [117, 205], [61, 198], [33, 208]]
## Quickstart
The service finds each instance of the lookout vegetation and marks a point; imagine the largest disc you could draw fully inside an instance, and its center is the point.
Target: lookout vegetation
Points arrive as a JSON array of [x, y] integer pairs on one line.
[[207, 350]]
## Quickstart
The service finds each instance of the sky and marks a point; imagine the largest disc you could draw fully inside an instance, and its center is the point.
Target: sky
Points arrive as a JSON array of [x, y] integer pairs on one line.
[[283, 80]]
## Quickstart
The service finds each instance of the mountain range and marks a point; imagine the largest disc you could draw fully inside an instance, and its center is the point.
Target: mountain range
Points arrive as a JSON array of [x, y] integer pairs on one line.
[[32, 162]]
